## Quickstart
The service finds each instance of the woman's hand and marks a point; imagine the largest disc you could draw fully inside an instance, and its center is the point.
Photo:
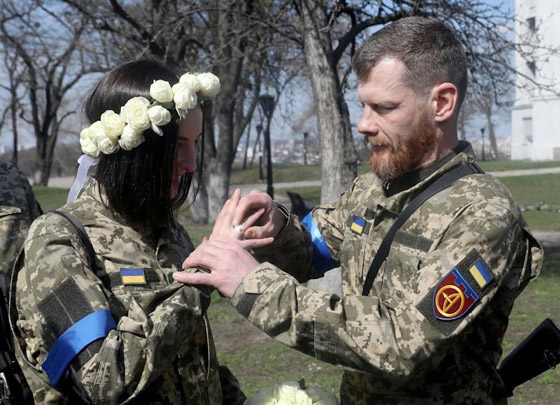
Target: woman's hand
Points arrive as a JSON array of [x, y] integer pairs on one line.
[[226, 229], [268, 224]]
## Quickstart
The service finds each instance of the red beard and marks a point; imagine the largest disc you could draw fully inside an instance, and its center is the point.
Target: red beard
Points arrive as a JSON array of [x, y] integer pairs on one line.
[[390, 160]]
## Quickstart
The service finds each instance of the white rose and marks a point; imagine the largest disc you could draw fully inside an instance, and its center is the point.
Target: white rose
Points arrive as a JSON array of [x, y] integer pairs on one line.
[[112, 123], [136, 113], [130, 138], [88, 144], [108, 145], [210, 85], [184, 97], [97, 131], [160, 90], [159, 116], [264, 396], [287, 391], [191, 80]]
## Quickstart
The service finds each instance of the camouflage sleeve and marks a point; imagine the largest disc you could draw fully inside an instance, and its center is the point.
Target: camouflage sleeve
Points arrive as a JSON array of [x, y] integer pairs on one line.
[[396, 337], [294, 239], [56, 285], [18, 209], [295, 250]]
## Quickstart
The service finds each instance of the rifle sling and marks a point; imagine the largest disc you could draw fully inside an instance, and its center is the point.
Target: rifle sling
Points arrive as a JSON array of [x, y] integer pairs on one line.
[[441, 183]]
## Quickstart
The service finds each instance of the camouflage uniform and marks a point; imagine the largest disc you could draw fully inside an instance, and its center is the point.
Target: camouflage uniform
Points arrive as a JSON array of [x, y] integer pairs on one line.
[[394, 347], [18, 209], [161, 350]]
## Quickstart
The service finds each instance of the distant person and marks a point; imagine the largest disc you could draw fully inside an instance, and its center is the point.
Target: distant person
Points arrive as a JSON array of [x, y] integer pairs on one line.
[[425, 324], [125, 332]]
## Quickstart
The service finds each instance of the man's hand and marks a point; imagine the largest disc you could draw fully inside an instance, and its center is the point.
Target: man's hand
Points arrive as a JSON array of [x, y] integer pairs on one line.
[[269, 224], [227, 263]]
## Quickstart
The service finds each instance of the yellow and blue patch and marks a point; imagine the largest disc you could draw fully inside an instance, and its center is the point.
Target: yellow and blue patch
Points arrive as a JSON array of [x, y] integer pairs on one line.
[[133, 276], [480, 273], [357, 225]]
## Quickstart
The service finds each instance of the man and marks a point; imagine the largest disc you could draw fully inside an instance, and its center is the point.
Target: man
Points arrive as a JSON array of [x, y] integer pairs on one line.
[[431, 327]]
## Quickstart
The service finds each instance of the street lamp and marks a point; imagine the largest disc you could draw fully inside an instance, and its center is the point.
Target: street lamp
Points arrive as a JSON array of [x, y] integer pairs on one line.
[[261, 174], [482, 134], [305, 135], [267, 105]]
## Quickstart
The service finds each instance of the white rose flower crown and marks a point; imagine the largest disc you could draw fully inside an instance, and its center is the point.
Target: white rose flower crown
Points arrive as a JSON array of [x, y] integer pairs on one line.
[[126, 130]]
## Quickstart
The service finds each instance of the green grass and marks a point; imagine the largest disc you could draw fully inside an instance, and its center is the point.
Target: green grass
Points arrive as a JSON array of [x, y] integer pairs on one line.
[[50, 198], [501, 165], [313, 172], [258, 361]]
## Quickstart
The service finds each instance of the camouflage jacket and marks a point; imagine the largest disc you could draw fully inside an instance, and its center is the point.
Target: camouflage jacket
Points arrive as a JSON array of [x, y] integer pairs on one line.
[[18, 209], [161, 350], [431, 329]]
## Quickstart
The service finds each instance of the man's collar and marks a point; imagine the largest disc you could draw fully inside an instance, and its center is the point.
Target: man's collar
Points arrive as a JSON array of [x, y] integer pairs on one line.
[[416, 176]]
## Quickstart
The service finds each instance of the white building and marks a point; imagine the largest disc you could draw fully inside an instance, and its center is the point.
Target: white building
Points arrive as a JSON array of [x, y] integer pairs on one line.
[[535, 115]]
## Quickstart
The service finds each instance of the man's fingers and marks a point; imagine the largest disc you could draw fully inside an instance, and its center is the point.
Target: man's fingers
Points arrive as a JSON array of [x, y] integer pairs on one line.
[[193, 278], [255, 243], [253, 218]]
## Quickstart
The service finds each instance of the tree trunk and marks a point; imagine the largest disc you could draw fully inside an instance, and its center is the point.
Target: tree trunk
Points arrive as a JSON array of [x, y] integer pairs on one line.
[[48, 154], [492, 134], [14, 130], [199, 207], [338, 152]]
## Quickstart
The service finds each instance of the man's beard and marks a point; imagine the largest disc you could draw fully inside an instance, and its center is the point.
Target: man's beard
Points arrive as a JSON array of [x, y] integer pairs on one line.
[[404, 155]]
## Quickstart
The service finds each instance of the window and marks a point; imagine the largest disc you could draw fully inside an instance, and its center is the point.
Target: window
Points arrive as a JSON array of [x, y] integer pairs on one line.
[[528, 129], [532, 67], [531, 24]]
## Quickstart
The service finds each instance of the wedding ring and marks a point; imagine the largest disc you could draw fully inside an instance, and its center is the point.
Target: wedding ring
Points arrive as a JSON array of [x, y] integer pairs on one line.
[[239, 228]]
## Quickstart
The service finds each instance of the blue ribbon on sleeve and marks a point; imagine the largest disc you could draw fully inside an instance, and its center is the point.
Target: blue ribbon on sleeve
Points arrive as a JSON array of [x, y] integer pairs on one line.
[[322, 258], [91, 327]]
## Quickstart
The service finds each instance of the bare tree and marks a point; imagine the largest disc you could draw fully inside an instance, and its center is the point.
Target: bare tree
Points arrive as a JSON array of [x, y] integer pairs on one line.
[[47, 41]]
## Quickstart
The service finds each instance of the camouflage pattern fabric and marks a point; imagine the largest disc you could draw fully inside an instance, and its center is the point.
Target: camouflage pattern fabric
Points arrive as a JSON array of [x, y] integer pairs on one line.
[[393, 345], [161, 350], [18, 209]]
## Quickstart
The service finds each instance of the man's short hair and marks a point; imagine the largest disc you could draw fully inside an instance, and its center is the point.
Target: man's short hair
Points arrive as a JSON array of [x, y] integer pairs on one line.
[[430, 51]]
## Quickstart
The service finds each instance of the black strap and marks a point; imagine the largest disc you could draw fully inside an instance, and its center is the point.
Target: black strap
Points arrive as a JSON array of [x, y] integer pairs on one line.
[[83, 237], [438, 185]]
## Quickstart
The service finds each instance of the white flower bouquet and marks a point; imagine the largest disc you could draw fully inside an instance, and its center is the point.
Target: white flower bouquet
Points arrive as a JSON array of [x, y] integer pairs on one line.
[[292, 393]]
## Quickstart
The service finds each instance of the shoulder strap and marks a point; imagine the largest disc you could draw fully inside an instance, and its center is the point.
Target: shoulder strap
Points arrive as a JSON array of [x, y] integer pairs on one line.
[[441, 183], [83, 237]]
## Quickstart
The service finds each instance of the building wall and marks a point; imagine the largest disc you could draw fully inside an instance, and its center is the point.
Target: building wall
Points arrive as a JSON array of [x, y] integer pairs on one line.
[[536, 114]]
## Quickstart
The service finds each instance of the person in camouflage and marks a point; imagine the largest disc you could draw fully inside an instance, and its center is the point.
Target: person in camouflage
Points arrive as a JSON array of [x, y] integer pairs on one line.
[[430, 330], [18, 208], [124, 332]]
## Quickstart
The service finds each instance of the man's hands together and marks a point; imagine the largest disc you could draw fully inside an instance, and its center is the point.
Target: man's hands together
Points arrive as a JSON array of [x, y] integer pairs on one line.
[[244, 223]]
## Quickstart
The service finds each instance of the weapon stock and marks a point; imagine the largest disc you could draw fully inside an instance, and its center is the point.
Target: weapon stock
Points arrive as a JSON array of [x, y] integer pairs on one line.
[[537, 353]]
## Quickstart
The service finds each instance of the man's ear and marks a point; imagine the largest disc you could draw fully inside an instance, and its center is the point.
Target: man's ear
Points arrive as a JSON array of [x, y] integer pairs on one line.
[[444, 101]]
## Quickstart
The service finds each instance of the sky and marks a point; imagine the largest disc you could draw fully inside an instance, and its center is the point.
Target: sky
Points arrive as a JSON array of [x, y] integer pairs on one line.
[[288, 112]]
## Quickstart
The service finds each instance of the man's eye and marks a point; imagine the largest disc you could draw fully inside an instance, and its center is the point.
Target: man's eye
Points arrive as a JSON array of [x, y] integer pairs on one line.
[[383, 109]]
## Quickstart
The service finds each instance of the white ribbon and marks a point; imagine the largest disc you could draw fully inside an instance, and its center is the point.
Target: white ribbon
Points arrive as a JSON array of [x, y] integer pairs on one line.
[[84, 163]]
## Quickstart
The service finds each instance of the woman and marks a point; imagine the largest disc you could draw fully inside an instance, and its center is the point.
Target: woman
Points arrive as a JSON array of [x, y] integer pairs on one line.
[[125, 331]]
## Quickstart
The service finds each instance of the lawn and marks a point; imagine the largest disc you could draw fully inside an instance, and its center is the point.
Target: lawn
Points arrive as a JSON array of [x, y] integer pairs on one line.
[[313, 172], [259, 361]]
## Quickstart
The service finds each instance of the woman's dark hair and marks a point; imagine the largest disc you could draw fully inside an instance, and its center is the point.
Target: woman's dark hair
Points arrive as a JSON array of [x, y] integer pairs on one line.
[[137, 183]]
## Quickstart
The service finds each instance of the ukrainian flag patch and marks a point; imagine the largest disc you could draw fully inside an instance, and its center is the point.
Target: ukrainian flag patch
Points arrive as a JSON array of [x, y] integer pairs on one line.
[[357, 225], [133, 276], [480, 273]]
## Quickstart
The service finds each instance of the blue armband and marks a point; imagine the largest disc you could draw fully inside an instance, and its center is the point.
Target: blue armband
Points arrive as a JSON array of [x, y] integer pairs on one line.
[[91, 327], [322, 258]]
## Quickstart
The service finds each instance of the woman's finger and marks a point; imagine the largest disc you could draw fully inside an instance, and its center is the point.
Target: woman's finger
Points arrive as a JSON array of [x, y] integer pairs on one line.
[[255, 243], [249, 222]]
